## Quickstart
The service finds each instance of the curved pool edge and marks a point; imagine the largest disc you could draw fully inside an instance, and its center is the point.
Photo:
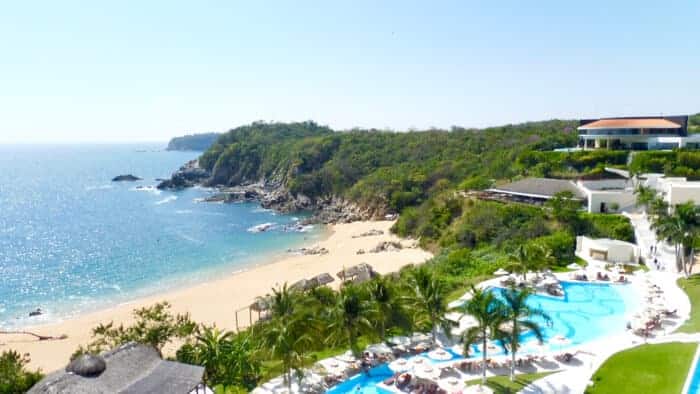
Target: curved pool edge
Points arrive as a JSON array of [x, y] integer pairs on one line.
[[692, 380]]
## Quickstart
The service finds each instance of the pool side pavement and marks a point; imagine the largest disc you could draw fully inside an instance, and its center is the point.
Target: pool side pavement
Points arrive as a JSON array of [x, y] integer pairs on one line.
[[575, 379]]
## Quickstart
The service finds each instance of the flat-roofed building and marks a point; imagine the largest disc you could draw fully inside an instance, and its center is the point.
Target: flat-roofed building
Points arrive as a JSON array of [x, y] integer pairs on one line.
[[637, 133]]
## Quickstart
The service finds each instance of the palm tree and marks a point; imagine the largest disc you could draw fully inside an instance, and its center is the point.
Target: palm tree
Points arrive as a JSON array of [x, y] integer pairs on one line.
[[389, 306], [287, 336], [429, 296], [681, 228], [226, 357], [211, 346], [285, 339], [350, 317], [528, 257], [645, 196], [518, 315], [488, 311], [282, 302]]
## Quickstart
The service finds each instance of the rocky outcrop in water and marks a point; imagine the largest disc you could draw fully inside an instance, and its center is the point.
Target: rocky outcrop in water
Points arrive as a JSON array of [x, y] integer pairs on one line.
[[125, 178], [191, 174], [272, 195]]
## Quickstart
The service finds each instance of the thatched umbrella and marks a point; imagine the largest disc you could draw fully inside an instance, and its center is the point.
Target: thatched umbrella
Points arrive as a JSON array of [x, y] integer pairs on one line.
[[355, 270], [87, 365], [261, 304], [322, 279], [301, 285]]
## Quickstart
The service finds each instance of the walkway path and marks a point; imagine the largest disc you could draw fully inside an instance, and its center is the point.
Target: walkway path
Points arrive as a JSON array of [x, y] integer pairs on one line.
[[576, 378]]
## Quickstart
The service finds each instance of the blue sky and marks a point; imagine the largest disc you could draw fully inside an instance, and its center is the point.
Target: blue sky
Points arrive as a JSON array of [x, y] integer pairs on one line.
[[149, 70]]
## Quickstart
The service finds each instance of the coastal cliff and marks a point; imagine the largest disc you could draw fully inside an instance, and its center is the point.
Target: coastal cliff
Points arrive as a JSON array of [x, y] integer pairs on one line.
[[195, 142], [343, 176]]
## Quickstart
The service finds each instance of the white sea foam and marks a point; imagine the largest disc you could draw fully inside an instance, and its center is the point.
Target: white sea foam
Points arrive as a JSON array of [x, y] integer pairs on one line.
[[100, 187], [183, 211], [261, 227], [261, 210], [189, 238], [148, 189], [166, 200]]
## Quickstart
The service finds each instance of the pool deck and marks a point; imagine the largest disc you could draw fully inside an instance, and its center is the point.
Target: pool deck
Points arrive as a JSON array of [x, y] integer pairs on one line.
[[575, 376], [575, 379]]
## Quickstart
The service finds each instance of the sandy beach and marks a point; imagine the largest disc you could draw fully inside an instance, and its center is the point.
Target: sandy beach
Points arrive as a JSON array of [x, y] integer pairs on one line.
[[218, 300]]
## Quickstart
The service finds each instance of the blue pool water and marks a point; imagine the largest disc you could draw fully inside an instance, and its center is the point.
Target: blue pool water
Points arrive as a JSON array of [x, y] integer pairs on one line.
[[694, 387], [588, 311], [365, 383], [71, 240]]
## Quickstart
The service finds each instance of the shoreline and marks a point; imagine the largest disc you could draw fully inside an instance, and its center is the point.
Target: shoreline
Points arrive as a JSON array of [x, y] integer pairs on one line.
[[175, 284], [216, 300]]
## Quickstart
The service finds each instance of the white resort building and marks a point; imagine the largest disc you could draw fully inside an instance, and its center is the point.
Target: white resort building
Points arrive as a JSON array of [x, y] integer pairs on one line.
[[637, 133]]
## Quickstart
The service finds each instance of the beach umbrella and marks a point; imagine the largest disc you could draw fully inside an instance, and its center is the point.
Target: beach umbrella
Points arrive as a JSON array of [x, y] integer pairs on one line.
[[426, 371], [323, 279], [379, 348], [418, 337], [574, 266], [300, 285], [399, 340], [400, 365], [501, 272], [451, 384]]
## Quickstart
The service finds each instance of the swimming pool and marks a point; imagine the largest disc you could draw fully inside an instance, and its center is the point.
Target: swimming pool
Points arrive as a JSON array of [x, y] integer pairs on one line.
[[588, 311], [694, 386], [365, 383]]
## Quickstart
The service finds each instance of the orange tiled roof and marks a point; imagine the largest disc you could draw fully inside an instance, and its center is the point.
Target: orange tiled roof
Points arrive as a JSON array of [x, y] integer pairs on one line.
[[636, 123]]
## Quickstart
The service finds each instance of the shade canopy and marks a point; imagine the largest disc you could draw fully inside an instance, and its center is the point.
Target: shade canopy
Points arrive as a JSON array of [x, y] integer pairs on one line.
[[574, 266], [322, 279], [501, 272]]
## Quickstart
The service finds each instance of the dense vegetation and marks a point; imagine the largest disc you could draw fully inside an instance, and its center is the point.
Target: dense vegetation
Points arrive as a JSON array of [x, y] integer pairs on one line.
[[694, 123], [658, 369], [287, 341], [15, 378], [679, 162], [197, 142], [375, 167]]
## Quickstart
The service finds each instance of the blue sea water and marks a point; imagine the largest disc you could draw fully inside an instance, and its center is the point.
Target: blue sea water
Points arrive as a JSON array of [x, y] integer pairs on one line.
[[72, 241]]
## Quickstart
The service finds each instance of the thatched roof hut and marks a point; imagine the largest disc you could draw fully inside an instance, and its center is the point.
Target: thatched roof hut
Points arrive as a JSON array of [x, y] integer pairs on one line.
[[301, 285], [261, 304], [322, 279], [130, 368], [362, 270]]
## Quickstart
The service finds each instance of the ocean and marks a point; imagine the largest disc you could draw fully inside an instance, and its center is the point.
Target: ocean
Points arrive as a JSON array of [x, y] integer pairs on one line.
[[72, 241]]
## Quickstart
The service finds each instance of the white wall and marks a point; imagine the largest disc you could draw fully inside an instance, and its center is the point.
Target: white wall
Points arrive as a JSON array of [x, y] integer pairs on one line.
[[617, 251], [624, 199], [679, 193]]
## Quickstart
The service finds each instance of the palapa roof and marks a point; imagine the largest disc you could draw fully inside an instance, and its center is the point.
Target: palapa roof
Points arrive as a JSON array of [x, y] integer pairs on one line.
[[132, 368], [631, 123], [355, 270], [322, 279], [261, 303]]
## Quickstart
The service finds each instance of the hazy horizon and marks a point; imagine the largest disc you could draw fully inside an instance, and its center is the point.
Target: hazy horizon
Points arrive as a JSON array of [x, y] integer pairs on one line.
[[147, 72]]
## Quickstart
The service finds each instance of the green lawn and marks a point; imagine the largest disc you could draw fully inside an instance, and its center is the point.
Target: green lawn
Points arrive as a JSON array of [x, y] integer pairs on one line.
[[503, 385], [658, 369], [691, 286]]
